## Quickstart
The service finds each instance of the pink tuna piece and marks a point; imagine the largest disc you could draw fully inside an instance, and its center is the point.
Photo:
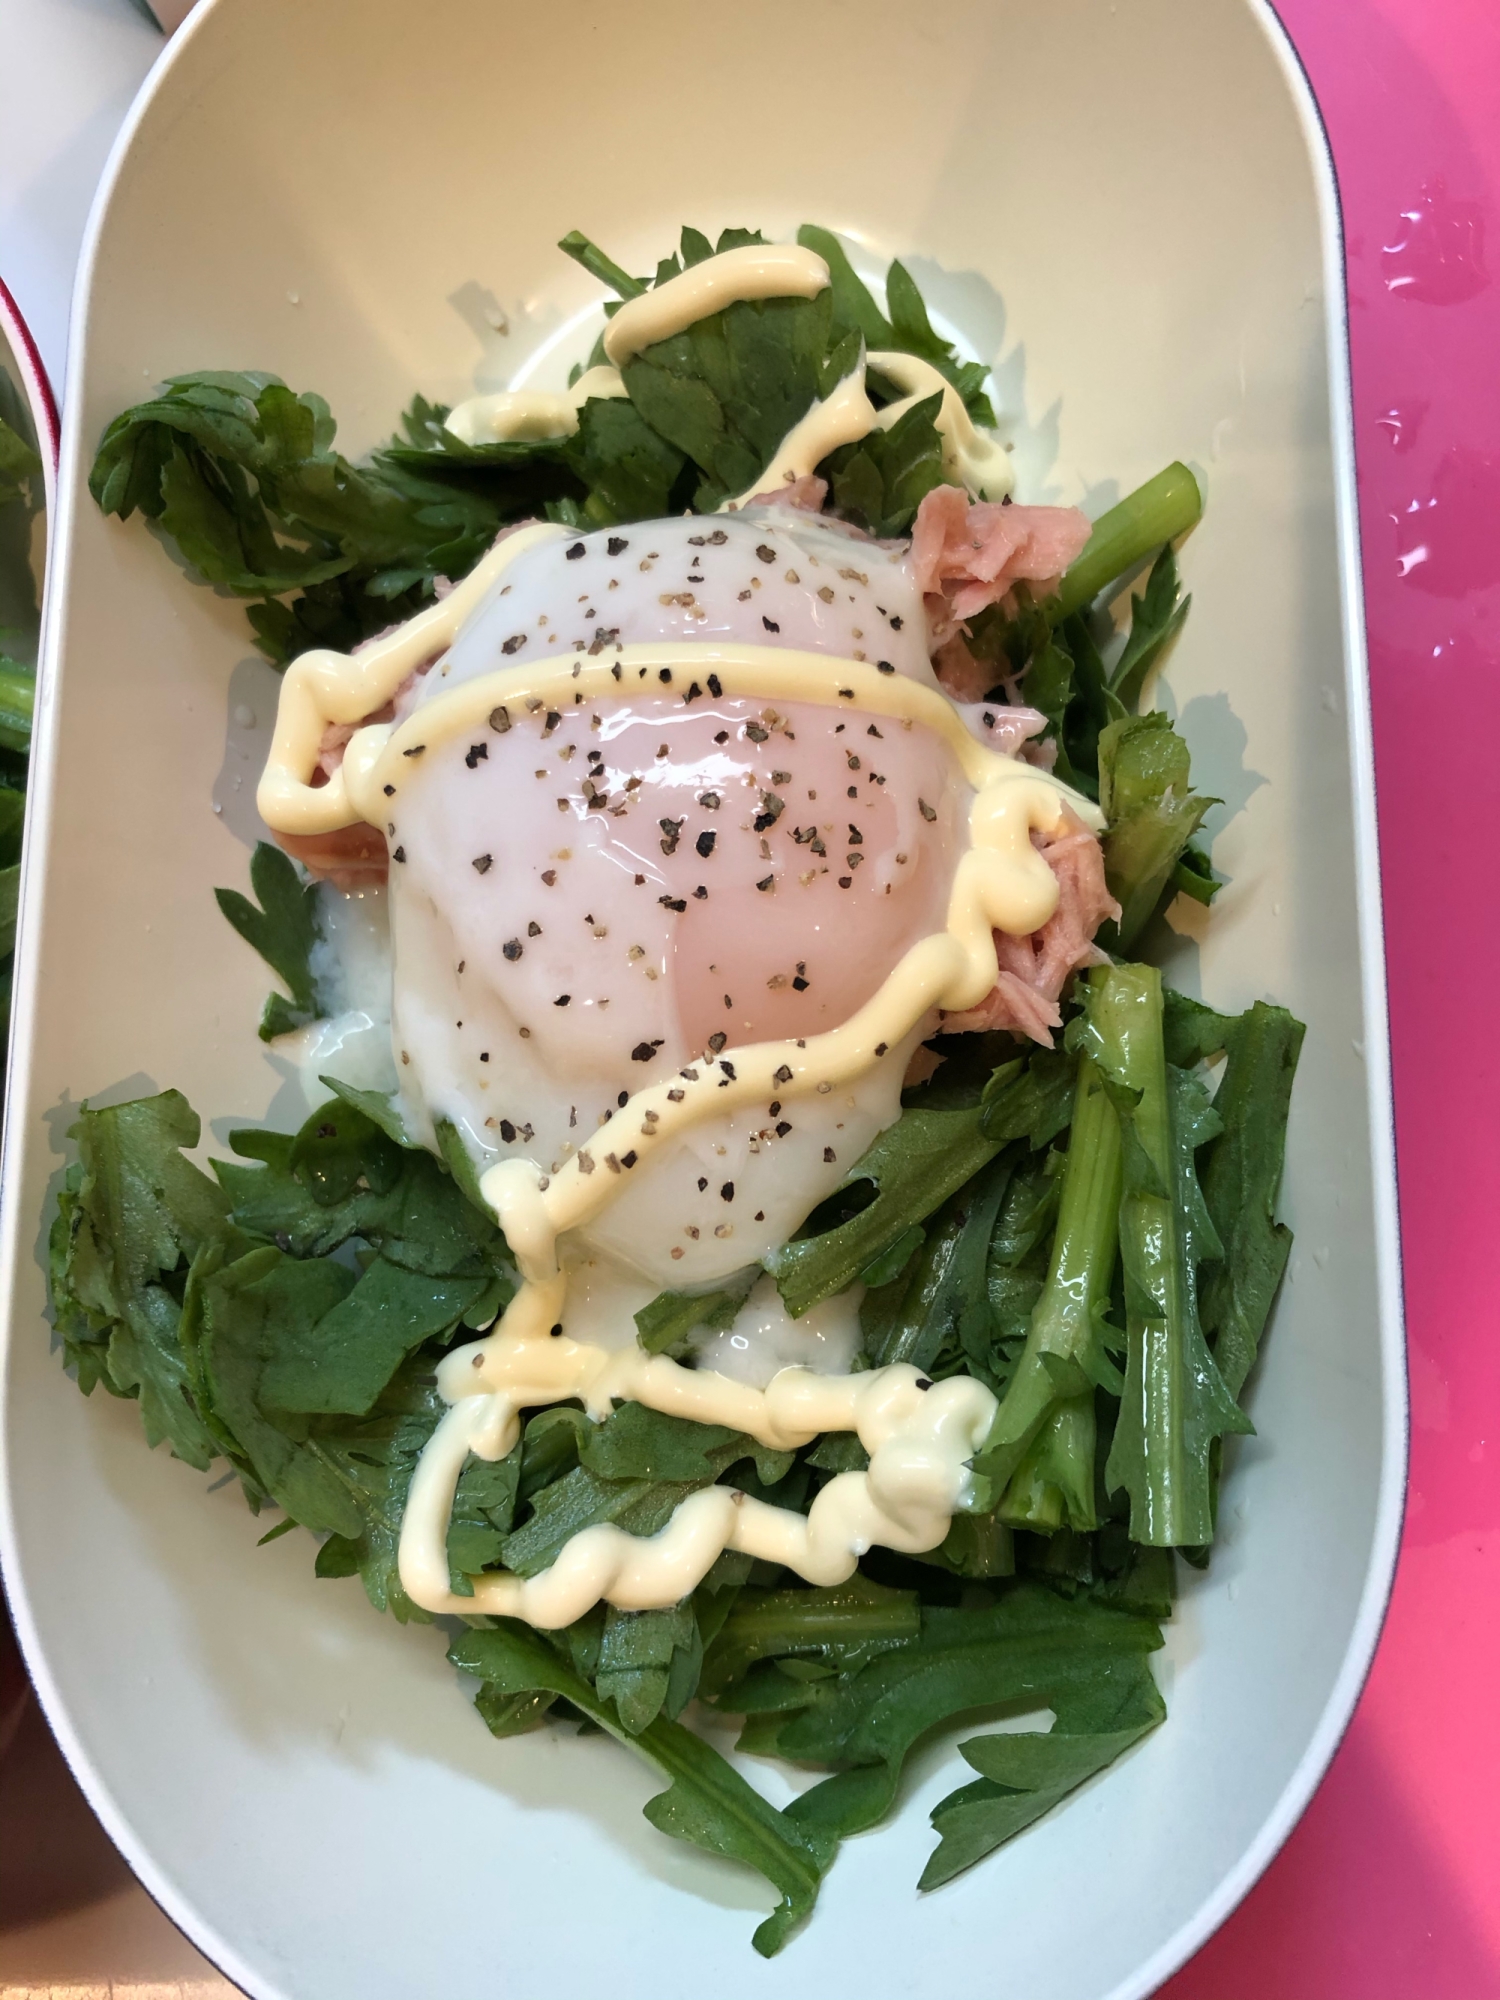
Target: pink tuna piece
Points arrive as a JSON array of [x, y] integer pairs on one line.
[[959, 674], [807, 492], [968, 556], [353, 857], [1034, 969]]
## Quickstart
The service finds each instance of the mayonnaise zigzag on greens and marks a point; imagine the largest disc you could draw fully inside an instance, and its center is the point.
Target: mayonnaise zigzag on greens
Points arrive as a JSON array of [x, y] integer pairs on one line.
[[756, 271]]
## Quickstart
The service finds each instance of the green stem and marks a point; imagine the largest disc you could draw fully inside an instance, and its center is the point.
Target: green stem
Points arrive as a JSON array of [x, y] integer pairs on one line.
[[1240, 1183], [1174, 1401], [945, 1296], [850, 1621], [1062, 1356], [1053, 1487], [1161, 510], [577, 246]]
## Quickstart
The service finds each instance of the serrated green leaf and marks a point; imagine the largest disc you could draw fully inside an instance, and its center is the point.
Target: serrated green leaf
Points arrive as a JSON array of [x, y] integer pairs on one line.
[[1156, 617], [707, 1803], [1030, 1648], [664, 1326], [1024, 1775], [283, 928], [1241, 1177]]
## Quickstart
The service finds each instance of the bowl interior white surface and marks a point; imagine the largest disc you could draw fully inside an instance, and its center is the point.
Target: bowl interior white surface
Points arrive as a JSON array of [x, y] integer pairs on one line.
[[1121, 206]]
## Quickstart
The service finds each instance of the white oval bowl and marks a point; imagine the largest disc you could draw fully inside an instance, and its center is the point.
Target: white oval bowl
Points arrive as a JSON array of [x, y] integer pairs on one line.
[[1130, 210]]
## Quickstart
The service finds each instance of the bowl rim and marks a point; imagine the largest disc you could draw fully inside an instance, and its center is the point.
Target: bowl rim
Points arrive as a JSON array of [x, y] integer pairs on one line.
[[1379, 1578]]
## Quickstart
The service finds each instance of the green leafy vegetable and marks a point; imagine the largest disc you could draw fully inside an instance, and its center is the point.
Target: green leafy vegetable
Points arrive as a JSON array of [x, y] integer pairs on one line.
[[727, 390], [708, 1803], [12, 821], [1067, 682], [635, 1469], [341, 1361], [1194, 875], [1191, 1032], [242, 474], [220, 1307], [913, 1167], [1053, 1486], [132, 1215], [341, 1177], [577, 246], [1156, 617], [854, 308], [484, 1509], [1028, 1098], [10, 892], [1065, 1357], [649, 1662], [1145, 792], [1175, 1402], [376, 1456], [664, 1326], [1029, 1648], [907, 331], [1240, 1183], [941, 1319], [580, 1500], [842, 1627], [1024, 1775], [283, 930], [630, 471], [880, 482], [243, 1313], [641, 1443]]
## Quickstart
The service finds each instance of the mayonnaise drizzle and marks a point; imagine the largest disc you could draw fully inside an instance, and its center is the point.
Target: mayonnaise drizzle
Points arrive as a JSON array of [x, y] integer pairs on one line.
[[919, 1435], [917, 1475], [530, 413], [969, 458], [382, 753], [757, 271], [843, 417], [320, 687]]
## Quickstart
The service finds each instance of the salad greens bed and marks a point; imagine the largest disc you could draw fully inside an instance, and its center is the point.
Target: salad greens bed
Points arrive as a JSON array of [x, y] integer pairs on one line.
[[1088, 1230]]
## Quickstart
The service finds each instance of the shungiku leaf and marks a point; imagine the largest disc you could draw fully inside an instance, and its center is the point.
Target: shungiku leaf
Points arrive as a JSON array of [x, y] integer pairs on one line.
[[707, 1802], [284, 930]]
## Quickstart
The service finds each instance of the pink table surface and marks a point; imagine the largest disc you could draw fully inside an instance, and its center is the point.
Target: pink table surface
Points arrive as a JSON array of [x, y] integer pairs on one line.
[[1390, 1887]]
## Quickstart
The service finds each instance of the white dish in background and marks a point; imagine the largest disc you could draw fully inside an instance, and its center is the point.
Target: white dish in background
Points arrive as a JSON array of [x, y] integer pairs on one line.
[[1132, 212]]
